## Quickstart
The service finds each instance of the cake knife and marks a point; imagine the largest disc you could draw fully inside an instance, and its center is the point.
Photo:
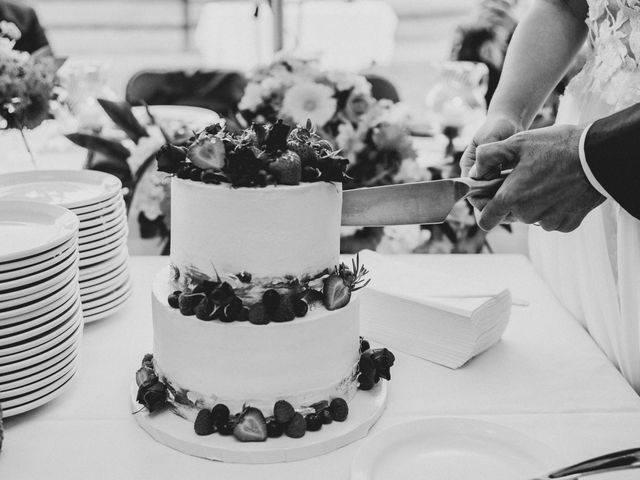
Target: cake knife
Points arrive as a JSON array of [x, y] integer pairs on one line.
[[411, 203]]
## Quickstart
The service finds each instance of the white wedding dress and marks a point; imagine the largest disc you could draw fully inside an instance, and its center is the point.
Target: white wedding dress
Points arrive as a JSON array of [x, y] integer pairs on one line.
[[595, 270]]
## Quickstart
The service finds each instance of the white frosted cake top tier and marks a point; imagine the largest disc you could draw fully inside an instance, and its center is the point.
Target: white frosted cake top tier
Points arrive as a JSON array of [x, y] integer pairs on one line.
[[304, 361], [268, 232]]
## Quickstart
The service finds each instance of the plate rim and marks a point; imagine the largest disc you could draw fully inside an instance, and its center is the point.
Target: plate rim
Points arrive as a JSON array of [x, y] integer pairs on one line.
[[68, 364], [124, 257], [68, 325], [18, 291], [36, 261], [112, 253], [94, 207], [74, 347], [66, 276], [40, 274], [109, 182], [92, 282], [113, 283], [117, 213], [364, 461], [66, 220], [65, 343], [56, 323], [41, 302], [102, 234], [17, 328], [49, 388], [9, 412], [122, 292]]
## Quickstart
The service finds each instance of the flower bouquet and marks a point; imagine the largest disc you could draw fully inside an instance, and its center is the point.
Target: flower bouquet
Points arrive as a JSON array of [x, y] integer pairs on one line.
[[29, 85], [374, 135]]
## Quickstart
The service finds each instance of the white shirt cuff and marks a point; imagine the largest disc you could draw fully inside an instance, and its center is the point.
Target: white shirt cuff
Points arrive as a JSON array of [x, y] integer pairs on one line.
[[585, 166]]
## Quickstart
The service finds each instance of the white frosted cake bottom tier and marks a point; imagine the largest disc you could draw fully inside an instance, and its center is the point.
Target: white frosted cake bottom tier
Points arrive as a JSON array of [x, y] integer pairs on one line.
[[302, 361]]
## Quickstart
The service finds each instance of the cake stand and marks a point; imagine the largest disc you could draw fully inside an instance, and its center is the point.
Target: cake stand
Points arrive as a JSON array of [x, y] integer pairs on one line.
[[174, 431]]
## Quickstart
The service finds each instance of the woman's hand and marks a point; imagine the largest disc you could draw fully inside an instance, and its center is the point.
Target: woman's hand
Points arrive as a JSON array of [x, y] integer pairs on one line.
[[494, 129]]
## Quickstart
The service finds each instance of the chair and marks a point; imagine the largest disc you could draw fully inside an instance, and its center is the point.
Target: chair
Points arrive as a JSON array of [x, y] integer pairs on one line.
[[217, 90]]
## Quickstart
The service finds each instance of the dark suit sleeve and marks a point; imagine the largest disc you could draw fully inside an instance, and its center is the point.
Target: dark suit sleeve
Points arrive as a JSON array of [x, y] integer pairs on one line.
[[612, 151]]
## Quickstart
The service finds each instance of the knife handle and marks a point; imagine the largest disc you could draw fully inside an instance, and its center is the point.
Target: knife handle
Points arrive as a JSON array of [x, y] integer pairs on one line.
[[622, 460], [484, 188]]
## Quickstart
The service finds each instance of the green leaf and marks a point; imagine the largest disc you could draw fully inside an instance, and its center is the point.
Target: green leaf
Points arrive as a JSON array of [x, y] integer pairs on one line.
[[101, 145], [122, 116]]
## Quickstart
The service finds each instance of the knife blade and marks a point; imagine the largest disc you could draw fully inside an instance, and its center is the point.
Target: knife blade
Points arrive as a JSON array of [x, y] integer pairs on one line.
[[411, 203]]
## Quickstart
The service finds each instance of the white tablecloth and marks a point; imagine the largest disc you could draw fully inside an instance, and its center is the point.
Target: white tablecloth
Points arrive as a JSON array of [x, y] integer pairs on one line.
[[546, 379]]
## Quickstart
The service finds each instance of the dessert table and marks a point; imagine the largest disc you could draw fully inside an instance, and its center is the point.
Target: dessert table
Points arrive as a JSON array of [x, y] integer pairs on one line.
[[545, 378]]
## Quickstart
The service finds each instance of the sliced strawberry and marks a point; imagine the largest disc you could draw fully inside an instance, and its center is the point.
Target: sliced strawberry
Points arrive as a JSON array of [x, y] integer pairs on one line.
[[336, 293], [251, 426]]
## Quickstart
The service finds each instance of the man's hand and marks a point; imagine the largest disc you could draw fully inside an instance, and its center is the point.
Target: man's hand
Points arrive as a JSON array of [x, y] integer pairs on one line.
[[547, 185]]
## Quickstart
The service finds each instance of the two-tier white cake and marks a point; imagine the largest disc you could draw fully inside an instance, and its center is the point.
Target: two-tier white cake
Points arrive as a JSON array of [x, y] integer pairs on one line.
[[273, 233], [255, 321]]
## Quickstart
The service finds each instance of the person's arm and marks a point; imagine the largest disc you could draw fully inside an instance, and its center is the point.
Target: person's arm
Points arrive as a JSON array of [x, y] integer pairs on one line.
[[539, 54], [610, 156]]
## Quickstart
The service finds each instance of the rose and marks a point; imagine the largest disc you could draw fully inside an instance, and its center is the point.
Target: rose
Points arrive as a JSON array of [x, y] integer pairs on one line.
[[145, 377], [383, 360], [170, 157], [153, 397], [374, 365]]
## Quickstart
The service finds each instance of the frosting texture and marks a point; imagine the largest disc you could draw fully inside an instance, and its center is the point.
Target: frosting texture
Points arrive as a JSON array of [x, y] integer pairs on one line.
[[302, 361], [268, 232]]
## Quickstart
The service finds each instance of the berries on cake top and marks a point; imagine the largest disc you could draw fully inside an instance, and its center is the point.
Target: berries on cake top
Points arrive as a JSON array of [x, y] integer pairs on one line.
[[255, 157]]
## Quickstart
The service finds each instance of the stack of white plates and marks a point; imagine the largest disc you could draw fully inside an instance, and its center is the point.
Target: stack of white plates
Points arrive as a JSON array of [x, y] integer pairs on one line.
[[40, 310], [96, 199]]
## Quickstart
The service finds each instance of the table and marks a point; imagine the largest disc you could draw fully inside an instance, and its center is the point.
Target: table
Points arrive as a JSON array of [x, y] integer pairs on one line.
[[546, 378]]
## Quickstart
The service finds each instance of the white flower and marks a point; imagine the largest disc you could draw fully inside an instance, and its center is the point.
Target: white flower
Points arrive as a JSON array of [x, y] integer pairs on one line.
[[309, 101], [610, 51], [349, 141], [411, 171], [634, 38], [146, 147], [252, 97], [349, 81], [10, 30]]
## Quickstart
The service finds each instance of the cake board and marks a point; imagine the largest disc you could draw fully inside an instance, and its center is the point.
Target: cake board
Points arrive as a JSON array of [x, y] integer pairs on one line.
[[174, 431]]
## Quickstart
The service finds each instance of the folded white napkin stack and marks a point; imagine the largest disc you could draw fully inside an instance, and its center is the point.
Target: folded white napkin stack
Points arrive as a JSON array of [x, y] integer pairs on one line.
[[432, 315]]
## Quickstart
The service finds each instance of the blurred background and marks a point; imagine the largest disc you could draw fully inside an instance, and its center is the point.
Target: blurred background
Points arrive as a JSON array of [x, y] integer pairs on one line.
[[432, 67], [130, 35]]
